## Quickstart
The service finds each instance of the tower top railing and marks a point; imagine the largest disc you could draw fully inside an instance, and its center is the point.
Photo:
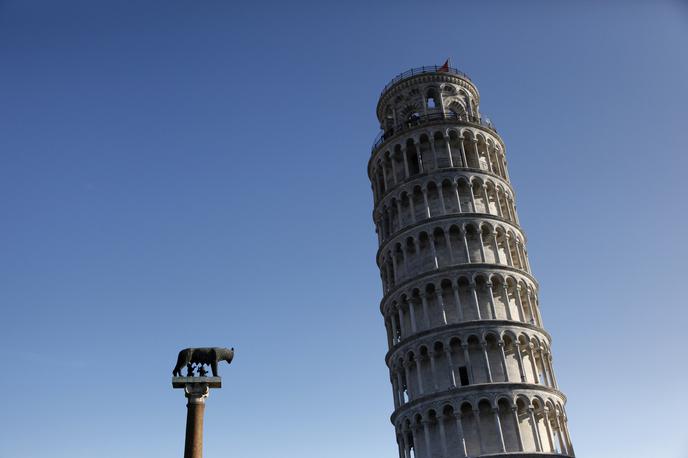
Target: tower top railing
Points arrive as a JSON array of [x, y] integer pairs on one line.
[[417, 120], [422, 70]]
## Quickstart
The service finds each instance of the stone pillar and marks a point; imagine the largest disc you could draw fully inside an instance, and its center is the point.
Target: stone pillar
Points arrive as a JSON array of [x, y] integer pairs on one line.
[[450, 363], [487, 362], [517, 422], [443, 435], [428, 214], [457, 301], [462, 149], [196, 394], [196, 390], [440, 304], [462, 440], [498, 427], [443, 206]]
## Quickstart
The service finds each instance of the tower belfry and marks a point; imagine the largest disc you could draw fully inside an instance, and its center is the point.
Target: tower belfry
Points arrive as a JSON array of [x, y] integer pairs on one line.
[[469, 360]]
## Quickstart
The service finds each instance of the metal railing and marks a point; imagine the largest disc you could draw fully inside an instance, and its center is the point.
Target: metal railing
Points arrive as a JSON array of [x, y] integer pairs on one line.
[[417, 120], [421, 70]]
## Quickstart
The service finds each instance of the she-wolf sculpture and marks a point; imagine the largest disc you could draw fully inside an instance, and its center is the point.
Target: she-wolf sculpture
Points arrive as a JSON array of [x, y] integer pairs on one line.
[[210, 356]]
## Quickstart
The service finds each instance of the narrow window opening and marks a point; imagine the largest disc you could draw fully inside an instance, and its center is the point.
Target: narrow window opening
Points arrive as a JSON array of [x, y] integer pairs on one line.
[[463, 375]]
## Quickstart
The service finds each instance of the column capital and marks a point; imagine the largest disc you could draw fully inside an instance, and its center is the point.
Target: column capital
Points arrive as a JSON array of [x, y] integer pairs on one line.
[[197, 393]]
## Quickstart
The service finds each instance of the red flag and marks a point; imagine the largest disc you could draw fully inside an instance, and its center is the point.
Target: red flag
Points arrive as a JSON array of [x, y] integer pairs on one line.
[[444, 67]]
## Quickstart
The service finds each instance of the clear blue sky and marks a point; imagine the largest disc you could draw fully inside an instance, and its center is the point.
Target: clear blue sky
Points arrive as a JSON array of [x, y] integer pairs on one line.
[[184, 173]]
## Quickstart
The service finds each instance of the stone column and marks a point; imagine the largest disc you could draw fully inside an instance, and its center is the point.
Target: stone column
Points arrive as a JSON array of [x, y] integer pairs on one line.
[[467, 361], [401, 322], [487, 362], [433, 251], [487, 199], [449, 150], [443, 206], [517, 422], [394, 168], [465, 245], [450, 363], [443, 435], [530, 306], [473, 207], [509, 256], [462, 148], [426, 315], [548, 428], [435, 159], [499, 204], [426, 202], [440, 304], [447, 239], [407, 452], [419, 376], [490, 296], [560, 435], [400, 222], [455, 187], [476, 415], [498, 427], [406, 167], [412, 314], [407, 374], [412, 207], [505, 295], [482, 244], [536, 429], [503, 360], [498, 257], [551, 371], [521, 370], [474, 291], [421, 166], [426, 434], [196, 391], [395, 331], [533, 363], [457, 300], [462, 440], [196, 394], [519, 304], [395, 389], [433, 369], [400, 386]]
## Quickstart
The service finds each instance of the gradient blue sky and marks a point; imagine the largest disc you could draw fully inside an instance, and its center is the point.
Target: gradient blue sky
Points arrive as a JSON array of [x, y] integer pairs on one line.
[[183, 173]]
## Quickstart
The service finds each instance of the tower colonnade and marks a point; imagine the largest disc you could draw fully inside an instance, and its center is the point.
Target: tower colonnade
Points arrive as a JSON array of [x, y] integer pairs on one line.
[[469, 360]]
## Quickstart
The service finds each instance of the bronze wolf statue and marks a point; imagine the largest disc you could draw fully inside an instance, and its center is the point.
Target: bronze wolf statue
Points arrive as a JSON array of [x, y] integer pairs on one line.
[[210, 356]]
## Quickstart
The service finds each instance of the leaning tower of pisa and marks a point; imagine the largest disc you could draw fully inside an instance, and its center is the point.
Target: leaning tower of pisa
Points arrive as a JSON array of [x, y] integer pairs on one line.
[[469, 359]]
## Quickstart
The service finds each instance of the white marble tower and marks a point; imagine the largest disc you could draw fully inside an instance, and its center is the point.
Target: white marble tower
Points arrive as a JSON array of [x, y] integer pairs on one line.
[[469, 359]]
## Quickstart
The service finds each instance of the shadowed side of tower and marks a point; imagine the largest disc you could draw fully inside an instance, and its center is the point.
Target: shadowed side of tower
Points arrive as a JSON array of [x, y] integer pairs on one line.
[[469, 359]]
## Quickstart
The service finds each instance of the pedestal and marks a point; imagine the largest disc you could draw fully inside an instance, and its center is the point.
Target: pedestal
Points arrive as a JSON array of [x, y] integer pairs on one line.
[[196, 390]]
